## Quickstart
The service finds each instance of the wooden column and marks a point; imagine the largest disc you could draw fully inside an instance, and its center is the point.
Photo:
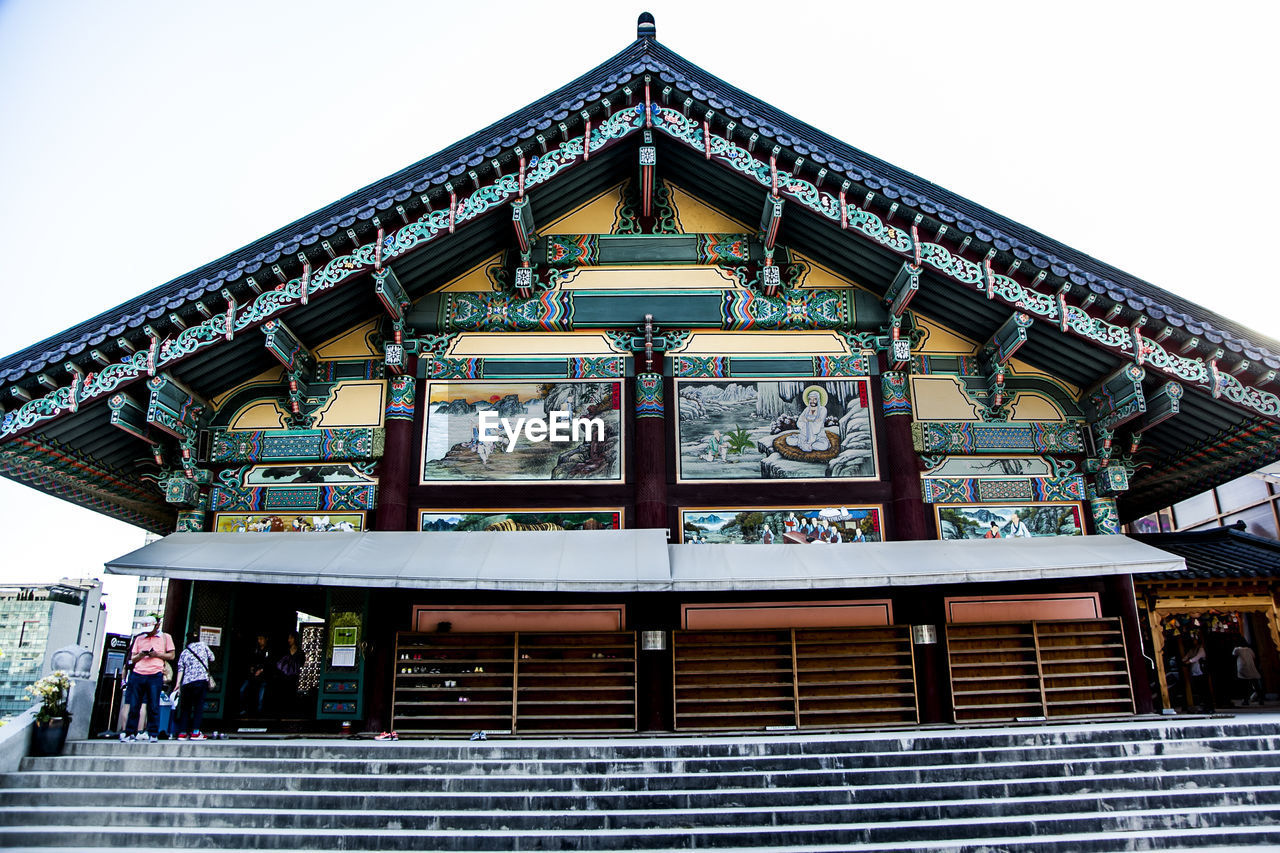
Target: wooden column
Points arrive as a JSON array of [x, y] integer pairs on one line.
[[395, 473], [1121, 589], [395, 470], [651, 450], [653, 669], [908, 519]]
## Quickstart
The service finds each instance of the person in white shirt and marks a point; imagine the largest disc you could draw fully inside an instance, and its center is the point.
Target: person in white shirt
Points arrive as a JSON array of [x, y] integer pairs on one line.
[[1018, 528]]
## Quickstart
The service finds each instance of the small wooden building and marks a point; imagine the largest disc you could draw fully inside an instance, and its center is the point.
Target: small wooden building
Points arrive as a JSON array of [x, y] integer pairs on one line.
[[1226, 595], [651, 407]]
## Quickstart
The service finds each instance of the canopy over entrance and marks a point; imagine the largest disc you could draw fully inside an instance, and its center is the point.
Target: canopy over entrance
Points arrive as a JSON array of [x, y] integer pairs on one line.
[[622, 561]]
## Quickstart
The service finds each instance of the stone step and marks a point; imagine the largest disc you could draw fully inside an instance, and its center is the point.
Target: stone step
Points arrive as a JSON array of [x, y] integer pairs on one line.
[[372, 780], [627, 816], [1246, 820], [164, 758], [527, 748], [1209, 782]]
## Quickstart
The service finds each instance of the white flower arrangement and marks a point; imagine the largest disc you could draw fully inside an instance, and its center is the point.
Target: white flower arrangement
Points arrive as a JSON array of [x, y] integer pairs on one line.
[[52, 691]]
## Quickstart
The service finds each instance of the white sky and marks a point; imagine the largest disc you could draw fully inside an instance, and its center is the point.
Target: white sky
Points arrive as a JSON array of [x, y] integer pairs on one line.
[[139, 140]]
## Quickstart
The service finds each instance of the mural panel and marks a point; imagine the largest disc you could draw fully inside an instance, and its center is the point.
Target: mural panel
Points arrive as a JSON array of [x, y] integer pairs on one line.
[[535, 432], [245, 522], [991, 466], [769, 429], [299, 475], [519, 519], [974, 521], [781, 525]]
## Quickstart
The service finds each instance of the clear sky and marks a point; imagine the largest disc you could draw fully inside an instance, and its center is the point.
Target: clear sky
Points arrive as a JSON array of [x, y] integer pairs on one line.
[[139, 140]]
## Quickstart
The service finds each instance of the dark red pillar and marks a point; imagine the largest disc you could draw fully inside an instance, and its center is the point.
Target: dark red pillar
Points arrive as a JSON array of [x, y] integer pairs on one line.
[[908, 520], [395, 473], [654, 676], [394, 470], [651, 451], [907, 515]]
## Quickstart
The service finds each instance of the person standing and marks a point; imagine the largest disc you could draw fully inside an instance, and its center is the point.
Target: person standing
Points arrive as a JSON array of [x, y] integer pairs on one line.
[[148, 653], [1247, 671], [254, 687], [1197, 661], [194, 680]]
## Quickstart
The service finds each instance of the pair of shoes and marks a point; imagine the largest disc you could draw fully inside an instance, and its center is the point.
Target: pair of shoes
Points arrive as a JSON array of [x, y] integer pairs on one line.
[[198, 736], [143, 737], [479, 736], [124, 738], [387, 736], [182, 736]]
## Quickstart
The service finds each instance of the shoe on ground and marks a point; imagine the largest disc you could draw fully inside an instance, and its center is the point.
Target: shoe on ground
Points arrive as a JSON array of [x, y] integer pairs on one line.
[[127, 738], [182, 736], [143, 737], [198, 736], [384, 736]]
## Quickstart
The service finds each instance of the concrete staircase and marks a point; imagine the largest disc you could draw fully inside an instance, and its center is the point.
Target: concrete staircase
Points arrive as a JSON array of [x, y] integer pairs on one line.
[[1190, 784]]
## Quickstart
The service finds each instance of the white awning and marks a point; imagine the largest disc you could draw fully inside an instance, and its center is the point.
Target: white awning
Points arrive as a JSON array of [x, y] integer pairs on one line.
[[623, 561], [577, 561], [883, 564]]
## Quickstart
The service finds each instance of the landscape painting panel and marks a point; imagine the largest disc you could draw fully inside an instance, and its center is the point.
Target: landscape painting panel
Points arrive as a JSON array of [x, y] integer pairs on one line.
[[453, 449], [975, 521], [500, 519], [764, 429], [259, 522], [809, 525]]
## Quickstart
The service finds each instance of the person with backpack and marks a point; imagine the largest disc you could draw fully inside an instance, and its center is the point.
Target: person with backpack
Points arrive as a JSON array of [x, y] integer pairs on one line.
[[194, 680], [148, 654]]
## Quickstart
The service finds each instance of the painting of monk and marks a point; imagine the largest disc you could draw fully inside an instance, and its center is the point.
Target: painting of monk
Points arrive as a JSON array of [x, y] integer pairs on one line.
[[771, 429]]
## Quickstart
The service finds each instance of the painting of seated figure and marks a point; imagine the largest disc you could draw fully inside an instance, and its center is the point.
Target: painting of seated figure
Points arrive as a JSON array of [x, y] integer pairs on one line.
[[775, 429]]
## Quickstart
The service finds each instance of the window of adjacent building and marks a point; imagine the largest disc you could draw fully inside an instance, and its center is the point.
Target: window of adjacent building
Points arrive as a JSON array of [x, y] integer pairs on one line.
[[1194, 510], [27, 636], [1258, 520], [1242, 492]]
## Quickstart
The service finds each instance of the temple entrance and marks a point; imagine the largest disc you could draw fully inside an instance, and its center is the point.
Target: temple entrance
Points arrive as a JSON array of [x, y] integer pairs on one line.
[[269, 643]]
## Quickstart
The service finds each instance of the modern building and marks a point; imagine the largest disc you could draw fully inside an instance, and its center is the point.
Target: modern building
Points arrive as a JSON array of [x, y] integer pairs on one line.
[[37, 620], [151, 595], [651, 407]]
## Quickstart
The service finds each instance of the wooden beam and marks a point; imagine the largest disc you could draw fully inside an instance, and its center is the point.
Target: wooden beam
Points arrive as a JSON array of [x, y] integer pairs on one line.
[[904, 287], [1008, 339], [1117, 399], [391, 293]]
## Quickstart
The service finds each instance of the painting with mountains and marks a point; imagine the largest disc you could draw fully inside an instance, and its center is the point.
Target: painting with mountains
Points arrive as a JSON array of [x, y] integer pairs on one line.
[[974, 521], [769, 429], [501, 519], [454, 450], [811, 525]]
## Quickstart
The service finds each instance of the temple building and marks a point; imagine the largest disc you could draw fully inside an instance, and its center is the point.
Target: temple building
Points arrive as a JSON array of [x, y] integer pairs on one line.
[[651, 407]]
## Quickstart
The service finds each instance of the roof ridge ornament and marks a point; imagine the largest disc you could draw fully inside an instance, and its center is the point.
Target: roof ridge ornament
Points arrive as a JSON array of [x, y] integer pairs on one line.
[[646, 28]]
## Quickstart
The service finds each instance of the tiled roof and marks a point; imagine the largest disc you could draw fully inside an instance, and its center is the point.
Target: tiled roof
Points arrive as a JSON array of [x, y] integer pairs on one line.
[[1224, 552], [648, 56]]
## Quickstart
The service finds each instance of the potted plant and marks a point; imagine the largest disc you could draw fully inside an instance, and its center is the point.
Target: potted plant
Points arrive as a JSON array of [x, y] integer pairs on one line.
[[52, 719]]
